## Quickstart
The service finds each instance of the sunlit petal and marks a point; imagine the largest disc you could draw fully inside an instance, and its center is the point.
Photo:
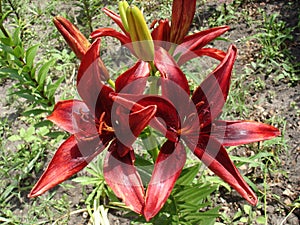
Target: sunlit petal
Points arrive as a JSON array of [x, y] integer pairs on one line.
[[70, 158], [231, 133], [121, 175], [215, 157], [211, 95], [134, 79], [167, 168], [90, 84], [211, 52]]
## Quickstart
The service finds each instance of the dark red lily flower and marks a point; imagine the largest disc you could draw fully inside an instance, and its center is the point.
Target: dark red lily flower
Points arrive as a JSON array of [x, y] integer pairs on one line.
[[164, 34], [194, 121], [95, 123]]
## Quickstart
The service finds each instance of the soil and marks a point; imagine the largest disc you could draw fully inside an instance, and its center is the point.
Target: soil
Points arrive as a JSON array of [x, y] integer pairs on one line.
[[280, 99]]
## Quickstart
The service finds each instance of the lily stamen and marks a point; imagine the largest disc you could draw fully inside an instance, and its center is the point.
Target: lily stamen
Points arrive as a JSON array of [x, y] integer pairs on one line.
[[103, 126]]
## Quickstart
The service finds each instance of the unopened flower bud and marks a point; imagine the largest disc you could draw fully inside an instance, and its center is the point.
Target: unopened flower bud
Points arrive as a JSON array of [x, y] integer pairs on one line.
[[75, 39], [123, 5], [140, 35]]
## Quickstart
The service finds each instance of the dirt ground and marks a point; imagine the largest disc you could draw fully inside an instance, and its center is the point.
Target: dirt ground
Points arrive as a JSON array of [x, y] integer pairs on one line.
[[276, 99]]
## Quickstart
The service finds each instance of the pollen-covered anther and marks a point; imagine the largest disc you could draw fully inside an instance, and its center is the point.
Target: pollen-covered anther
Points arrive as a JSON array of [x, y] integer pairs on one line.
[[103, 126], [199, 104]]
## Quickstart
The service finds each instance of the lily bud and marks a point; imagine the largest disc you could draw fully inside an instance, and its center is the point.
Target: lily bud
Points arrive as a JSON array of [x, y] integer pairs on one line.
[[183, 12], [75, 39], [140, 35], [123, 5]]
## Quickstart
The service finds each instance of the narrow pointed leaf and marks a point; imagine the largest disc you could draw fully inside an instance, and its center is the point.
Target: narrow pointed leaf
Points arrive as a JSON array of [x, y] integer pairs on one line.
[[121, 175], [69, 159], [167, 169], [231, 133], [211, 95], [215, 157]]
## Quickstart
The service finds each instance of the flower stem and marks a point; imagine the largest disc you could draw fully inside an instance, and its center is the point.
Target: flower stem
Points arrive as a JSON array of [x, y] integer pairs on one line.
[[150, 143], [111, 83]]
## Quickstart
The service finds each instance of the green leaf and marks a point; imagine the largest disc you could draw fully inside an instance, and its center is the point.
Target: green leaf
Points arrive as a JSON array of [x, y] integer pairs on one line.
[[87, 180], [261, 220], [188, 175], [6, 41], [44, 123], [11, 73], [194, 194], [34, 112], [247, 209], [4, 15], [18, 52], [30, 55], [29, 134], [51, 88], [14, 138], [16, 37], [43, 72]]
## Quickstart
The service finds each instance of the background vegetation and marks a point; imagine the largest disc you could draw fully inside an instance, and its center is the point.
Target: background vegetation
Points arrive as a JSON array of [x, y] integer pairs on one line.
[[37, 69]]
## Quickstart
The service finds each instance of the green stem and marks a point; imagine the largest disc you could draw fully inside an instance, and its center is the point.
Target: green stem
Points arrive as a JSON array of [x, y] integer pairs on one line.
[[1, 25], [153, 88], [111, 83], [172, 49], [150, 143], [87, 7], [153, 68]]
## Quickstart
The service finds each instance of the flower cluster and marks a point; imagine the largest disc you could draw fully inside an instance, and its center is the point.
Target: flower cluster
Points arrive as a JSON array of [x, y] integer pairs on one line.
[[113, 116]]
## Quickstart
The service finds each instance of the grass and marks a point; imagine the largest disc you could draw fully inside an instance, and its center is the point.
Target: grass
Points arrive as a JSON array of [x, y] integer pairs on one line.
[[27, 142]]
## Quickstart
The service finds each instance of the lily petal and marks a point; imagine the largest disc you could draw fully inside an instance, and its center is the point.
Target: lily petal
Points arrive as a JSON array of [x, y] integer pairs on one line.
[[182, 16], [134, 79], [128, 126], [166, 118], [103, 32], [115, 17], [231, 133], [70, 158], [169, 70], [161, 34], [211, 52], [167, 169], [210, 96], [199, 40], [121, 175], [90, 87], [215, 157], [64, 113]]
